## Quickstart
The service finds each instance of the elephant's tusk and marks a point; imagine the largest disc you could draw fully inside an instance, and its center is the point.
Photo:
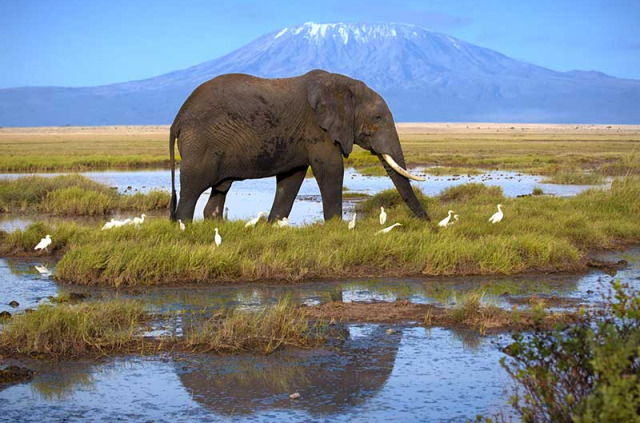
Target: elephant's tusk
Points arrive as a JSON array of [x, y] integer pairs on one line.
[[399, 169]]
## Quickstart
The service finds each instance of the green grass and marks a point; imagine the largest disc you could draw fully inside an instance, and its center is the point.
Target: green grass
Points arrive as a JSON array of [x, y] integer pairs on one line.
[[262, 331], [68, 330], [372, 170], [541, 233], [447, 170], [74, 195], [575, 177], [604, 151], [71, 330]]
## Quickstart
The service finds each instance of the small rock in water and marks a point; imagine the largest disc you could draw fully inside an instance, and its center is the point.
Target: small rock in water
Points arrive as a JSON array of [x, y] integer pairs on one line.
[[390, 331], [5, 315], [14, 304], [589, 291], [15, 374], [295, 395]]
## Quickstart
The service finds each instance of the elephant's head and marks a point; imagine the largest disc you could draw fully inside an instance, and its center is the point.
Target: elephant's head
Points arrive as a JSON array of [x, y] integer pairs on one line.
[[351, 112]]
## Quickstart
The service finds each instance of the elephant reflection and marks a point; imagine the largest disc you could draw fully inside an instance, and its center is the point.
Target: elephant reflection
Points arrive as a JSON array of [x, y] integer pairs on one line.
[[336, 378]]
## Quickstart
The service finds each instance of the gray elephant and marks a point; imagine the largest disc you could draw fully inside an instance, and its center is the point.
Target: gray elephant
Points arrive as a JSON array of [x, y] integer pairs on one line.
[[237, 127]]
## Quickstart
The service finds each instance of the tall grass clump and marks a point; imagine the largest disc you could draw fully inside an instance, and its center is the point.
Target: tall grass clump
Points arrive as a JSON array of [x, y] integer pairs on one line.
[[22, 241], [471, 192], [574, 177], [72, 195], [588, 371], [262, 331], [71, 330], [542, 233]]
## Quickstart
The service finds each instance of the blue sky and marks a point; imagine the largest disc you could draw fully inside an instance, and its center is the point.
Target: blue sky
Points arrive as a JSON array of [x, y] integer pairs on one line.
[[81, 42]]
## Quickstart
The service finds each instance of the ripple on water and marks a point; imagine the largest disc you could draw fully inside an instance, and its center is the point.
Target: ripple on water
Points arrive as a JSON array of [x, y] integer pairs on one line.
[[413, 374]]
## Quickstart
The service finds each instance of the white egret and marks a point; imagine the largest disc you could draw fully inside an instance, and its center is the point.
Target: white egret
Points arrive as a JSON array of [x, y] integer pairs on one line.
[[497, 216], [217, 239], [118, 223], [383, 216], [445, 222], [182, 226], [43, 270], [284, 222], [455, 219], [44, 243], [139, 220], [110, 224], [352, 222], [253, 222], [385, 230]]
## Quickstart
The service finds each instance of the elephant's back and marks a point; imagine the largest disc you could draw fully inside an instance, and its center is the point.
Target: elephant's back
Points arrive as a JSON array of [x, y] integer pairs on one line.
[[236, 93]]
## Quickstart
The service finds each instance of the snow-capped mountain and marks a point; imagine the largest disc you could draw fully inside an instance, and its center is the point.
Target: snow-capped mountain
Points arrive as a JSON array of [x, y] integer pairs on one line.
[[424, 75]]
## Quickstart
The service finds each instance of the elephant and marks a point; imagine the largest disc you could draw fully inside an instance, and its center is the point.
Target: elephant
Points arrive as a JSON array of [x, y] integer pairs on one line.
[[237, 126]]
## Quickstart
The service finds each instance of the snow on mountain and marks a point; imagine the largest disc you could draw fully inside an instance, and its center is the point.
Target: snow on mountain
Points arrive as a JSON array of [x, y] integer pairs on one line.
[[424, 75]]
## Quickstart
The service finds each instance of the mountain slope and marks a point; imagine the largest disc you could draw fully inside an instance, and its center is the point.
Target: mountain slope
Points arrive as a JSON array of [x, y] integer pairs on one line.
[[424, 76]]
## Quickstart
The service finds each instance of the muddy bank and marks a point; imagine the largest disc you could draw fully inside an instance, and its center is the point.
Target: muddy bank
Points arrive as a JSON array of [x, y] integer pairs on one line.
[[486, 319]]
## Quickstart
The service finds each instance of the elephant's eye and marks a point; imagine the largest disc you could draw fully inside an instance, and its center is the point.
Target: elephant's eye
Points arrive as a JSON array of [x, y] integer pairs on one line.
[[377, 118]]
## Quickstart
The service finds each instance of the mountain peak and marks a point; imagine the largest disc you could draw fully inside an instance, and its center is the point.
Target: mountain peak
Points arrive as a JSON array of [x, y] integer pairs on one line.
[[423, 76], [360, 33]]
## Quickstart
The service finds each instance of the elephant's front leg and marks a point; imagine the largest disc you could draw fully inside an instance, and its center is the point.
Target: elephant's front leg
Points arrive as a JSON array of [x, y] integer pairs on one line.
[[215, 205], [328, 170], [287, 188]]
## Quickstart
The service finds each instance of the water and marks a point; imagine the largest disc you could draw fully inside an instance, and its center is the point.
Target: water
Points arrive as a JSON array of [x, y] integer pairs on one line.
[[20, 281], [247, 198], [411, 375]]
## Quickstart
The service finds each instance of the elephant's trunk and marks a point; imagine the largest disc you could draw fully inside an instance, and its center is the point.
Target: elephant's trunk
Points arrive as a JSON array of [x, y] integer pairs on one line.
[[402, 184]]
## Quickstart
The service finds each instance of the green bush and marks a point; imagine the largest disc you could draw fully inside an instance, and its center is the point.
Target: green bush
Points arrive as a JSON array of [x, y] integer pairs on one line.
[[587, 372]]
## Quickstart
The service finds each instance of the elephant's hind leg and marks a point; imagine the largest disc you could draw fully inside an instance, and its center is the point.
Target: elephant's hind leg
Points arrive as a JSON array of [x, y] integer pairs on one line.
[[288, 185], [215, 206]]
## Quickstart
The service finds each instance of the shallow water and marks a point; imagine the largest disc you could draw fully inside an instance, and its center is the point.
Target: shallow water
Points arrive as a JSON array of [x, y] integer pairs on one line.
[[20, 281], [247, 198], [412, 375]]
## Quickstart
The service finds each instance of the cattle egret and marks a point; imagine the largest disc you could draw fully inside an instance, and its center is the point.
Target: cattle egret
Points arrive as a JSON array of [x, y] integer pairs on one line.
[[119, 223], [352, 222], [455, 219], [497, 216], [44, 243], [109, 225], [253, 222], [182, 226], [43, 270], [385, 230], [282, 223], [445, 222], [383, 216], [217, 239], [139, 220]]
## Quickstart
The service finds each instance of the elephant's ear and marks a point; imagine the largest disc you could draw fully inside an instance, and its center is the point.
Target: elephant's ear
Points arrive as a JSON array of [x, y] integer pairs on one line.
[[333, 101]]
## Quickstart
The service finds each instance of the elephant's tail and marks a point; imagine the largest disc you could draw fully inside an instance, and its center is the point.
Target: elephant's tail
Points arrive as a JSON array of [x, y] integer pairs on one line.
[[173, 135]]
